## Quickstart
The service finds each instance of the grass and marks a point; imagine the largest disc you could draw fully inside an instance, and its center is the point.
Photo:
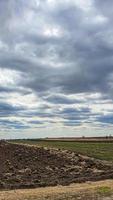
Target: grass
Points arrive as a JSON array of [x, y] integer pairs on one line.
[[104, 190], [99, 150]]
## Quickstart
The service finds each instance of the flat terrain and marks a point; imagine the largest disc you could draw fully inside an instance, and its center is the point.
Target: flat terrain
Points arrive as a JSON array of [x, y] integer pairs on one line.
[[99, 150], [101, 190], [62, 165], [26, 166]]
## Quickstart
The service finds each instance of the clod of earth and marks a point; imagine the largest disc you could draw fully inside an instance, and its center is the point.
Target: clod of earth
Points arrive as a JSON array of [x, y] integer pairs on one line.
[[23, 166]]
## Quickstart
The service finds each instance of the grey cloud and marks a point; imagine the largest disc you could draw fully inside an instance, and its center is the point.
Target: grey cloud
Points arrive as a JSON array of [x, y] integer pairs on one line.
[[36, 122], [7, 109], [72, 123], [13, 124], [60, 99], [105, 119], [83, 52], [73, 114], [76, 58]]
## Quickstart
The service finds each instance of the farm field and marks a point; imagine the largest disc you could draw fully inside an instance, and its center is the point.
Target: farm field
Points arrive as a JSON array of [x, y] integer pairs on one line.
[[56, 170], [31, 166], [99, 150]]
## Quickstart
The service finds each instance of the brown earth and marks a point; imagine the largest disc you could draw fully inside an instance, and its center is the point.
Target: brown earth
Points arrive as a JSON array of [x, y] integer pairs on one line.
[[100, 190], [23, 166]]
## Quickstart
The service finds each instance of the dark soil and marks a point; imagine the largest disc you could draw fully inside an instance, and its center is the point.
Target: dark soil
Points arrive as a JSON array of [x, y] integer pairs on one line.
[[23, 166]]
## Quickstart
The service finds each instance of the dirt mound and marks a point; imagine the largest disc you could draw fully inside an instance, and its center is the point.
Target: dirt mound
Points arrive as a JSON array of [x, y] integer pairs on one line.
[[24, 166]]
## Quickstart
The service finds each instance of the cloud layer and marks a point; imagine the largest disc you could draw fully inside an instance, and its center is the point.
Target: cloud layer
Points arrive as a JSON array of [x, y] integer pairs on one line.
[[56, 66]]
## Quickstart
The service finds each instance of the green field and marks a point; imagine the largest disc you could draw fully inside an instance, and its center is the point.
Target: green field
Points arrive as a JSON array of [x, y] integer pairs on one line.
[[100, 150]]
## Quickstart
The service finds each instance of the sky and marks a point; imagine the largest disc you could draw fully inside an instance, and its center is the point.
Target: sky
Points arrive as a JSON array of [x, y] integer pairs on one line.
[[56, 68]]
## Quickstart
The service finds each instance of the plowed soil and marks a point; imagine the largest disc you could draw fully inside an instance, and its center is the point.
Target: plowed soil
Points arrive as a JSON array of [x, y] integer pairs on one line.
[[23, 166]]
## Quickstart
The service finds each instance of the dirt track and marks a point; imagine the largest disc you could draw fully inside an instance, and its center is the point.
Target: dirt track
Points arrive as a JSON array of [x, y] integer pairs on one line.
[[24, 166], [83, 191]]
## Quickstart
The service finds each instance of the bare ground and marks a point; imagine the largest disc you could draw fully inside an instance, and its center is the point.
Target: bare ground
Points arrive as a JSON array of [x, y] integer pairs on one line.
[[81, 191]]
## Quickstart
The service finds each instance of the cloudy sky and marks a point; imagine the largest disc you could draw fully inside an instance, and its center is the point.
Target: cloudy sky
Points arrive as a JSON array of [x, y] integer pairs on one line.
[[56, 68]]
